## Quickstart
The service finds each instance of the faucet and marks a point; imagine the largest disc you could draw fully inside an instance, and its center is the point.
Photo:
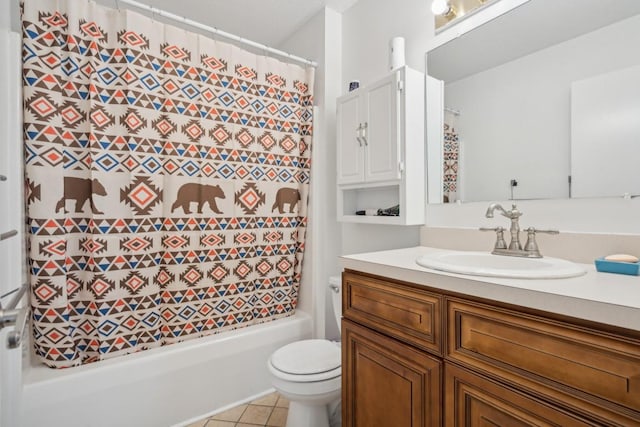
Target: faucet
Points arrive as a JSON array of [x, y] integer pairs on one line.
[[515, 247], [514, 214]]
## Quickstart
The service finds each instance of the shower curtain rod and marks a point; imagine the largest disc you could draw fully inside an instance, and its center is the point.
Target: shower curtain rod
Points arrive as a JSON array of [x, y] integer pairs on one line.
[[216, 31]]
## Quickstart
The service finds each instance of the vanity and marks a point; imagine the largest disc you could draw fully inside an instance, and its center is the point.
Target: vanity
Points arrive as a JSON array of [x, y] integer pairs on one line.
[[423, 347]]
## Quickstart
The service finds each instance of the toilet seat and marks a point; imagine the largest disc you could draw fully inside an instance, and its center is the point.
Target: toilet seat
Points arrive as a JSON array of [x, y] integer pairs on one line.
[[307, 361]]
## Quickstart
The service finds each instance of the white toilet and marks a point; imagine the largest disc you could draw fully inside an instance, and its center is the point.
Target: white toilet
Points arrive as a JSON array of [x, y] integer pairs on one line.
[[308, 373]]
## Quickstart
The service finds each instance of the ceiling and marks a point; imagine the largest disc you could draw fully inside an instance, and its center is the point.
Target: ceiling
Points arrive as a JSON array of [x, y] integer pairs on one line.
[[269, 22]]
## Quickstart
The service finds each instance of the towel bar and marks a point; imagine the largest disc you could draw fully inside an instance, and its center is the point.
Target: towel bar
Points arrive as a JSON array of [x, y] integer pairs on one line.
[[11, 316], [14, 338]]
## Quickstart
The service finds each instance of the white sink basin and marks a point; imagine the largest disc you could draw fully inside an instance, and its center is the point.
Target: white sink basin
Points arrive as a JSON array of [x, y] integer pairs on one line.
[[489, 265]]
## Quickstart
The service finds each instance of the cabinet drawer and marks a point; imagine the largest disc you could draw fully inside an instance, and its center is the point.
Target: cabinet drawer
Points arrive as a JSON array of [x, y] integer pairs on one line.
[[577, 365], [409, 314], [472, 400]]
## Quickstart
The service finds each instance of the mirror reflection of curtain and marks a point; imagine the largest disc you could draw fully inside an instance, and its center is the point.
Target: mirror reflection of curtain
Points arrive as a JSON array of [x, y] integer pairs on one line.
[[451, 155]]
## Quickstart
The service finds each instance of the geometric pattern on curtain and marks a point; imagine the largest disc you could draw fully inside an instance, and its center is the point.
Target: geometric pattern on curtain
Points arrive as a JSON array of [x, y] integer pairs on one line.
[[167, 179], [451, 157]]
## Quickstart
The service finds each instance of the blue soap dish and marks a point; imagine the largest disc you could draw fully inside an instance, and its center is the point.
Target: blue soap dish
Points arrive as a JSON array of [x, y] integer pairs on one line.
[[630, 268]]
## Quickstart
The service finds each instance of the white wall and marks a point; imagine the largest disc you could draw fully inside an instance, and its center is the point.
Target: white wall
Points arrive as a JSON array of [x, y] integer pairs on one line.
[[515, 119], [12, 249], [367, 28], [369, 25], [10, 15]]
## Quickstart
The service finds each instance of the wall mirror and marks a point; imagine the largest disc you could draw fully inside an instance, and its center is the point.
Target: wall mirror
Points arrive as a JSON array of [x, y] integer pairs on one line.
[[542, 102]]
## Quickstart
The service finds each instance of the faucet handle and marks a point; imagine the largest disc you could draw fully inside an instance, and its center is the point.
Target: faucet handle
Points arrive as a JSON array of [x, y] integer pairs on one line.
[[536, 230], [500, 242], [532, 246], [545, 231]]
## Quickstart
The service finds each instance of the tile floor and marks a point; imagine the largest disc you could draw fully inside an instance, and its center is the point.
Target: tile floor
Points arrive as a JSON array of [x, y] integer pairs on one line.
[[270, 410]]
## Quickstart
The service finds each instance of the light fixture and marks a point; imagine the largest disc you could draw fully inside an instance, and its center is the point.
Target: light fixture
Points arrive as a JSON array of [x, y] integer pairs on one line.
[[442, 8]]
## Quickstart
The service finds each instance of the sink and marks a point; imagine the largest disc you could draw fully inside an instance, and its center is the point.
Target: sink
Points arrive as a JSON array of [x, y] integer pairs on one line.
[[489, 265]]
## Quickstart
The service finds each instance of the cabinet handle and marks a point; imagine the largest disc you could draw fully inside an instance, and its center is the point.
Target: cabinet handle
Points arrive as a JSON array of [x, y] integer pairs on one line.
[[358, 137], [364, 133]]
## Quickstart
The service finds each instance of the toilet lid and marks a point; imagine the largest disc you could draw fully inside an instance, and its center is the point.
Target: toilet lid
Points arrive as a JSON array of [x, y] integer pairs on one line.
[[307, 357]]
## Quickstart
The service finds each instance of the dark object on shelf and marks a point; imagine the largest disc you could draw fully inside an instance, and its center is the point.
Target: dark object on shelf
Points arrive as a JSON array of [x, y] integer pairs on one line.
[[392, 211]]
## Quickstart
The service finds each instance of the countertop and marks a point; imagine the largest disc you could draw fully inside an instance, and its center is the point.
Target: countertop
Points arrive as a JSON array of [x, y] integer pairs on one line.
[[612, 299]]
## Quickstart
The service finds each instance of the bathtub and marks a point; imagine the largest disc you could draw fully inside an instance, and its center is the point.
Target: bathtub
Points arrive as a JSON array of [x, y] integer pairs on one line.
[[167, 386]]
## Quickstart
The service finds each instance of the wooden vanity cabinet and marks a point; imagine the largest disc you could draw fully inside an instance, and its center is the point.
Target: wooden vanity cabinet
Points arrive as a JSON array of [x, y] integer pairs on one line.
[[389, 377], [494, 364]]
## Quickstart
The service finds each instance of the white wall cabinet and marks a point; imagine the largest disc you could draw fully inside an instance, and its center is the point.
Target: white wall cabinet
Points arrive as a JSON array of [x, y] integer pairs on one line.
[[368, 132], [381, 149]]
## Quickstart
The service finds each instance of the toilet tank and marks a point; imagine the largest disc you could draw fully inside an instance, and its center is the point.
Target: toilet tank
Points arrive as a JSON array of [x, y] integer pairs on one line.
[[335, 288]]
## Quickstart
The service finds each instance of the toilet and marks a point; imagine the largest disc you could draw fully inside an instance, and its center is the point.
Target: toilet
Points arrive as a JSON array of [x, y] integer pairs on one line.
[[309, 374]]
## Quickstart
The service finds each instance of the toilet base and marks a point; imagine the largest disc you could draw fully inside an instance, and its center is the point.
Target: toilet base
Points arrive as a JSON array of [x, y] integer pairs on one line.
[[307, 415]]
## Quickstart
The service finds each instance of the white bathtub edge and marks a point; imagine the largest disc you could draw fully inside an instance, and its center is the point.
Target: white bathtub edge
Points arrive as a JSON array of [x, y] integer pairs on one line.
[[205, 375]]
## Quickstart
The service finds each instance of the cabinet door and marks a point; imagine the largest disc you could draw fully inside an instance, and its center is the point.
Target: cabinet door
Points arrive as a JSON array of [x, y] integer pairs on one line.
[[350, 148], [472, 400], [386, 383], [381, 133]]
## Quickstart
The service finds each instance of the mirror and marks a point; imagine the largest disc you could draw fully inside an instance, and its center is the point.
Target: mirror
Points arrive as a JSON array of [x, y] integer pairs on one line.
[[542, 102]]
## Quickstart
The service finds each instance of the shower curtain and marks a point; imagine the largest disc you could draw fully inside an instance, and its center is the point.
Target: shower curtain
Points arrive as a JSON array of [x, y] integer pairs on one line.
[[451, 154], [167, 179]]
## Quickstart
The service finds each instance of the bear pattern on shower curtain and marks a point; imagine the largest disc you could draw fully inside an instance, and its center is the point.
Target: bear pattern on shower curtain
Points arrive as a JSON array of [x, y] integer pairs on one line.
[[167, 182]]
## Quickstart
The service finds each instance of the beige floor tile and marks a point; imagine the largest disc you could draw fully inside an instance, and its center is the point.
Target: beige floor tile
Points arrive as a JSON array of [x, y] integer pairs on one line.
[[255, 414], [232, 414], [283, 402], [268, 400], [278, 417], [248, 425], [200, 423], [218, 423]]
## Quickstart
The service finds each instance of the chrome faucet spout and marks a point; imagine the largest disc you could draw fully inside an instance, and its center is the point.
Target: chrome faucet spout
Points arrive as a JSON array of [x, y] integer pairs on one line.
[[514, 215], [492, 207]]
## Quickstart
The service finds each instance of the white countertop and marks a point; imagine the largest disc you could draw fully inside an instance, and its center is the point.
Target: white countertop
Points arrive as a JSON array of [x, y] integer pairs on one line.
[[612, 299]]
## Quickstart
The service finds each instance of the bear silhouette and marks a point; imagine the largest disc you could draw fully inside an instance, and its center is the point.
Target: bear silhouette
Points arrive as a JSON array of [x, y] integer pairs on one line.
[[289, 196], [199, 194], [81, 189]]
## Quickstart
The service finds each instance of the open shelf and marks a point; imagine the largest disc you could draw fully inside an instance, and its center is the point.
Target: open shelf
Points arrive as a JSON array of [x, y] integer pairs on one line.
[[388, 220], [371, 196]]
